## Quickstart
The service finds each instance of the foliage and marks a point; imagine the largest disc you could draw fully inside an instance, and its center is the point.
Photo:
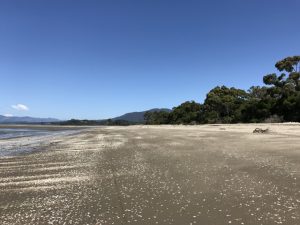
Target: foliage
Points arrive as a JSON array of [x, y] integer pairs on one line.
[[285, 89], [157, 117], [186, 113], [75, 122], [222, 105], [278, 101], [109, 122]]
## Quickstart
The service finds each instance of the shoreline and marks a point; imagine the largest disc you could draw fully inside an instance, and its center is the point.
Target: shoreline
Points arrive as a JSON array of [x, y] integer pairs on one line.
[[14, 146], [41, 127]]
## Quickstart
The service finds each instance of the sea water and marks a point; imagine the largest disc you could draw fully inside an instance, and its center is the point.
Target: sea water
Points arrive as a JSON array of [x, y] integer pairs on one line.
[[7, 133], [15, 141]]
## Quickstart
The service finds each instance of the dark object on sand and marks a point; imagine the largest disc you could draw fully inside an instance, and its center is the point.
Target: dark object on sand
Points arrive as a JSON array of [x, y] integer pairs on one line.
[[261, 131]]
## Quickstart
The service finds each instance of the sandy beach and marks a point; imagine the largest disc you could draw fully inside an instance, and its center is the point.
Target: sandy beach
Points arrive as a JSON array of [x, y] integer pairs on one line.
[[181, 175]]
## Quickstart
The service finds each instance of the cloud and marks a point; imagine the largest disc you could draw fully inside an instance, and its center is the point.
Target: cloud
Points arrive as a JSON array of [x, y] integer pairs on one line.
[[8, 115], [20, 107]]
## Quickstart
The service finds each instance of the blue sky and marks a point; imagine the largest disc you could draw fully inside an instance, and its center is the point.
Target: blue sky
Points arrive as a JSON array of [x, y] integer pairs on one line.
[[99, 59]]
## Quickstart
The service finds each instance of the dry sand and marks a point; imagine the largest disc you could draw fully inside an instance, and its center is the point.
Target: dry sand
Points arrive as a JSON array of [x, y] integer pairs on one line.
[[183, 175]]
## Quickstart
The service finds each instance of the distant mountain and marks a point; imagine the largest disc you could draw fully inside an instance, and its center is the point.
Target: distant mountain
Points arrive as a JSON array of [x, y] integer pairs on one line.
[[138, 117], [26, 119]]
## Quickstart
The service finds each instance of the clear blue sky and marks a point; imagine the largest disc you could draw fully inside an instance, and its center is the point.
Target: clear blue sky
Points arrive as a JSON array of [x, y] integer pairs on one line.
[[102, 58]]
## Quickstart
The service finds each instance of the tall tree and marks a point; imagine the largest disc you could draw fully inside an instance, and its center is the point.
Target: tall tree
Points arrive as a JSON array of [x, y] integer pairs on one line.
[[222, 105], [285, 88], [187, 112]]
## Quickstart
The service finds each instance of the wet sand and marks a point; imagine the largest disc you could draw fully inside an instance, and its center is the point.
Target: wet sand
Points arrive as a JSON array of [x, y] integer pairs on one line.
[[183, 175]]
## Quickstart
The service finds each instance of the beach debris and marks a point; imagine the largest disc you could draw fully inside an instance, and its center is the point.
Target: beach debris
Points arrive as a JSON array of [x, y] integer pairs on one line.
[[261, 131]]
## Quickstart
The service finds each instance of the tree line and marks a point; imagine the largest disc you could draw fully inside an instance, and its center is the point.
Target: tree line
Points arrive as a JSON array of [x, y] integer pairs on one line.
[[108, 122], [277, 101]]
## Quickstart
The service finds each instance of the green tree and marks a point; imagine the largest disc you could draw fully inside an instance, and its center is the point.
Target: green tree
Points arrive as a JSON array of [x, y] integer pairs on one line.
[[186, 113], [157, 117], [222, 105], [285, 88], [258, 105]]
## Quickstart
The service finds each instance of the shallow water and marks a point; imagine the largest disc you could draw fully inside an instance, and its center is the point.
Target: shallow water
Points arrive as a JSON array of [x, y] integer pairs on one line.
[[6, 133], [16, 141]]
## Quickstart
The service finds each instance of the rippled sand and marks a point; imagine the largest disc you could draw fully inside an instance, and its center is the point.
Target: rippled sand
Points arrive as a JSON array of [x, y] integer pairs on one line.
[[210, 175]]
